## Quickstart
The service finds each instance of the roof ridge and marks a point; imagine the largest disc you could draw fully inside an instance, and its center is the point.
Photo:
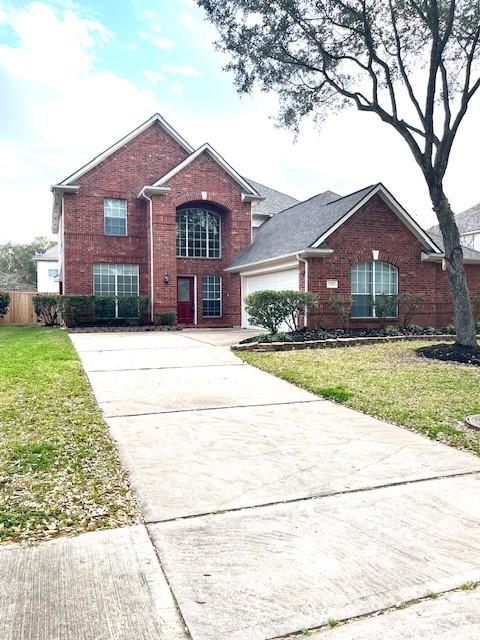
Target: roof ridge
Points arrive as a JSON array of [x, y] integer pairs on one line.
[[306, 200], [370, 186]]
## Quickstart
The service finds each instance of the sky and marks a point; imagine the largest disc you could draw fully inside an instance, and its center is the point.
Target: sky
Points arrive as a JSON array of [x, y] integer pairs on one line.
[[77, 76]]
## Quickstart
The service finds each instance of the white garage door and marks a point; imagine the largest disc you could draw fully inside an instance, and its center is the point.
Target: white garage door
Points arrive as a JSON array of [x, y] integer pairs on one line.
[[278, 280]]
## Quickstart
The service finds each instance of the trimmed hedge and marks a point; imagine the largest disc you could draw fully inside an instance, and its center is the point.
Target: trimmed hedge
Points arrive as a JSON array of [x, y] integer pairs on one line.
[[82, 311], [167, 318], [4, 303]]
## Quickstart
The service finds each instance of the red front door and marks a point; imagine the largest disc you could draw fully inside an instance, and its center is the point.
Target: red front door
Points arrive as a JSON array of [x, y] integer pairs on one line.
[[185, 300]]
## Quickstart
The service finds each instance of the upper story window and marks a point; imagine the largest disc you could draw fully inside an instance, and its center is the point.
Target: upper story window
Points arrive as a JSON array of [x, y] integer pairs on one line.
[[198, 233], [370, 281], [115, 217]]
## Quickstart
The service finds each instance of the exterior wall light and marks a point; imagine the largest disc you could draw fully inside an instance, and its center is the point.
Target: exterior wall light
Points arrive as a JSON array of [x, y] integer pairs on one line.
[[166, 279]]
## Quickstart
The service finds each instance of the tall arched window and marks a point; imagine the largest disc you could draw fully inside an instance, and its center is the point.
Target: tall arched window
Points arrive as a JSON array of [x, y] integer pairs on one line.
[[374, 282], [198, 233]]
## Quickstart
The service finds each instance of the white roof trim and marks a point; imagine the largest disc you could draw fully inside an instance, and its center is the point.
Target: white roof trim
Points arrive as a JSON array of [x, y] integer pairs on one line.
[[396, 207], [438, 257], [148, 190], [130, 136], [250, 192], [469, 233], [307, 253]]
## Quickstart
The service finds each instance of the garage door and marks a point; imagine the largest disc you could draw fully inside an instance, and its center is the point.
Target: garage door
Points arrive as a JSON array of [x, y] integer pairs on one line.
[[278, 280]]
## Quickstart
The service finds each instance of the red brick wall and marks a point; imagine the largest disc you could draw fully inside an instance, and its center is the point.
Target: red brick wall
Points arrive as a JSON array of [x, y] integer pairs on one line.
[[122, 175], [375, 226], [141, 161], [203, 174]]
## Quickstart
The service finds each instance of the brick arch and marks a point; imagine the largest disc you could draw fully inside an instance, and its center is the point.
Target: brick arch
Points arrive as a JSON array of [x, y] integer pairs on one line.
[[365, 255], [196, 196]]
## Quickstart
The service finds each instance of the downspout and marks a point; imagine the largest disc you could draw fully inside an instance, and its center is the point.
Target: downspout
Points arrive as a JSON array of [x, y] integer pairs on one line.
[[305, 285], [150, 207]]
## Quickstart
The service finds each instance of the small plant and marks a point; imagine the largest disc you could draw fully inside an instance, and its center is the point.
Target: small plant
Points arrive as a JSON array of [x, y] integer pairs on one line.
[[47, 309], [391, 331], [167, 318], [385, 307], [475, 302], [266, 309], [451, 329], [332, 622], [408, 306], [4, 303], [469, 586], [342, 307], [416, 329]]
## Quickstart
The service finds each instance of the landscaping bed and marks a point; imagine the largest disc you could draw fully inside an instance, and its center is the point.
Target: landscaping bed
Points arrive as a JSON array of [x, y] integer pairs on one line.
[[59, 472], [451, 353], [389, 381], [307, 335]]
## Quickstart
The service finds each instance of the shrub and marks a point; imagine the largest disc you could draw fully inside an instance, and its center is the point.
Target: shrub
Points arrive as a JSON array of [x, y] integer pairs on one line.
[[167, 318], [281, 336], [265, 309], [408, 306], [391, 331], [296, 304], [78, 310], [385, 306], [47, 309], [451, 329], [342, 307], [4, 303], [475, 301]]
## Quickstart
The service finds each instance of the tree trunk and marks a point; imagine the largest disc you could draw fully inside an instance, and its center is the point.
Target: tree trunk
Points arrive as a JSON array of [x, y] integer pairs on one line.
[[464, 319]]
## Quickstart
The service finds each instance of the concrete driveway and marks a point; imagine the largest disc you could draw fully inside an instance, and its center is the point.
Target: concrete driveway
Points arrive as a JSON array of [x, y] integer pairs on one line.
[[273, 511]]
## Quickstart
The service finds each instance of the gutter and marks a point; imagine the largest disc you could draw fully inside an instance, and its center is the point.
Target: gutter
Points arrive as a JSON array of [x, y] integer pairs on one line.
[[305, 285], [143, 195], [440, 257], [307, 253]]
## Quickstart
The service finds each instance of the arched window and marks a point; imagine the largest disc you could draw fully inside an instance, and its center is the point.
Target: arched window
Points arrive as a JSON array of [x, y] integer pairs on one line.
[[198, 233], [374, 283]]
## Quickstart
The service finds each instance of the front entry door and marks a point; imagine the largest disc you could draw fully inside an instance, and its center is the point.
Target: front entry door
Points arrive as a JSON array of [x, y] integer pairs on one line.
[[185, 300]]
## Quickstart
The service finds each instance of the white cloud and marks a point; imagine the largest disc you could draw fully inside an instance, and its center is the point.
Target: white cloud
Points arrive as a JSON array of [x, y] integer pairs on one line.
[[157, 41], [153, 76], [57, 109], [181, 69], [176, 88]]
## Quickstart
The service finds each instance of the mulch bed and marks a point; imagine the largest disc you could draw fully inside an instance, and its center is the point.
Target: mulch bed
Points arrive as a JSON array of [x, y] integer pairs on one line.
[[451, 353]]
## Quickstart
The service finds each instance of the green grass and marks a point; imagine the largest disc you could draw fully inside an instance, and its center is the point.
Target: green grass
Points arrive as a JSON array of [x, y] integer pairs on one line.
[[59, 472], [389, 381]]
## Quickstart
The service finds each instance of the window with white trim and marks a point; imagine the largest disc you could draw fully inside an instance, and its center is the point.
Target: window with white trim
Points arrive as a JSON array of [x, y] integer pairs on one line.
[[198, 233], [370, 281], [115, 217], [212, 296], [116, 281]]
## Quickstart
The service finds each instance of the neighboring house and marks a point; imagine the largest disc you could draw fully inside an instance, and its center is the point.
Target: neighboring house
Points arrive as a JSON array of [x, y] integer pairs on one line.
[[151, 215], [47, 270], [468, 223]]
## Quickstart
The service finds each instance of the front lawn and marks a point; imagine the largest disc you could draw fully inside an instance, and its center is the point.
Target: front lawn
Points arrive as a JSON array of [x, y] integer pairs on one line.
[[389, 381], [59, 472]]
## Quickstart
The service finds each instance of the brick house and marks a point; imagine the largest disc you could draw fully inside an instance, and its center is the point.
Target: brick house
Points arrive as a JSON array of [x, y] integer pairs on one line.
[[152, 216]]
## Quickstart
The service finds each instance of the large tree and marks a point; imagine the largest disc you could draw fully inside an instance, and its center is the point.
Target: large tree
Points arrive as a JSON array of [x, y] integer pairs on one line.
[[413, 63]]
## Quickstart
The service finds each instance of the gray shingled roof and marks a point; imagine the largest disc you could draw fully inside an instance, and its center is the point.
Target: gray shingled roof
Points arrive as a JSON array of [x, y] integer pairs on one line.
[[438, 240], [273, 202], [298, 227], [468, 220], [49, 254]]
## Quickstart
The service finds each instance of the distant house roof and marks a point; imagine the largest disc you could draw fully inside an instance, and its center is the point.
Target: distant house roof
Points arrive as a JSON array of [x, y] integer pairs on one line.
[[438, 239], [50, 254], [273, 200], [467, 221], [308, 224]]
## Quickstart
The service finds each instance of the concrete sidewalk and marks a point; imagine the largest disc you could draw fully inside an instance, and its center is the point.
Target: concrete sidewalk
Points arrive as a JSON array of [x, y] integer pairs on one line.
[[273, 511]]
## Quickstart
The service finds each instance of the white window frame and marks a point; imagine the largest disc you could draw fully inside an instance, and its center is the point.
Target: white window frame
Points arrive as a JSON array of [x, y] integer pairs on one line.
[[116, 275], [117, 235], [214, 275], [207, 244], [373, 294]]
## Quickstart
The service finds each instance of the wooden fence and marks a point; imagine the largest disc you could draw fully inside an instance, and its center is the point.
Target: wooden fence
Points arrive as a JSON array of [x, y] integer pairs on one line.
[[21, 308]]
